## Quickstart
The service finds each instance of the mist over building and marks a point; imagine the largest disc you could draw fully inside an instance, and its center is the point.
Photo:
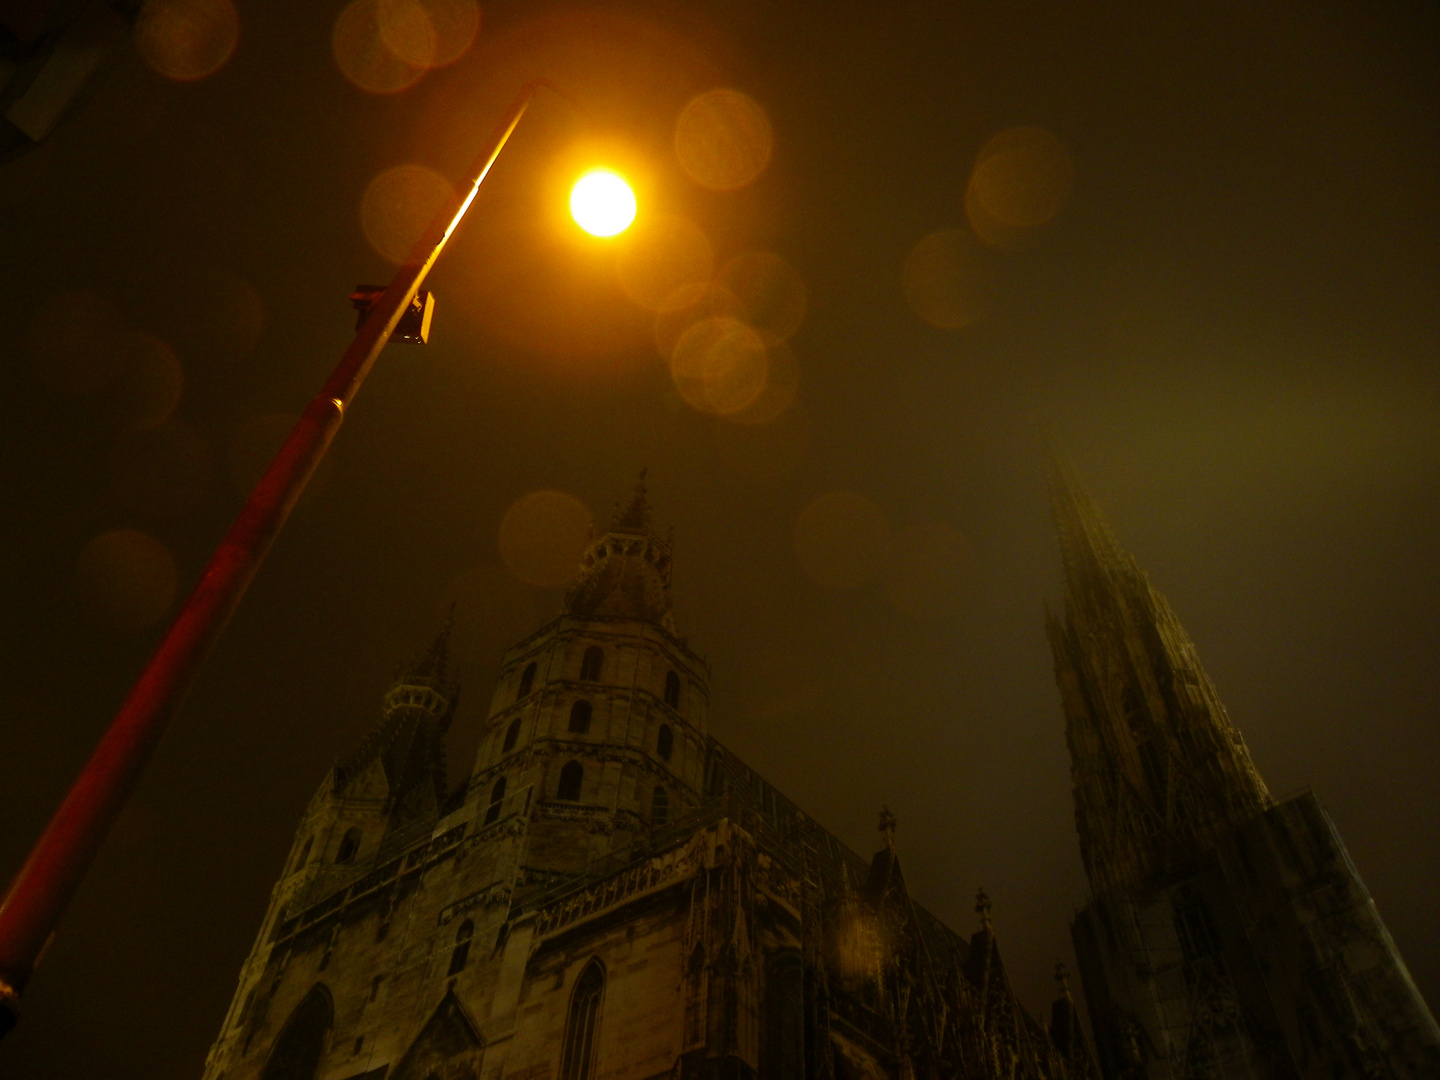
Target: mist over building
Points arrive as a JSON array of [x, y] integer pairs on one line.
[[612, 893]]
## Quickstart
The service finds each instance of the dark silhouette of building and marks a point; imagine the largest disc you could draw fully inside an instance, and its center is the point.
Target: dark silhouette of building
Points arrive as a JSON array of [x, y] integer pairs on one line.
[[1227, 935], [609, 894]]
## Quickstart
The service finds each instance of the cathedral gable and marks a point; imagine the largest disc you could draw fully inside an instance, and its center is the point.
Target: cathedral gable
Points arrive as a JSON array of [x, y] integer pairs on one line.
[[448, 1047]]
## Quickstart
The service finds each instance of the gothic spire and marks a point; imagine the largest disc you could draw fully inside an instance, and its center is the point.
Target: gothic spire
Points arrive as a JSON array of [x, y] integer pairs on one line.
[[635, 516], [432, 663], [1159, 770], [625, 571]]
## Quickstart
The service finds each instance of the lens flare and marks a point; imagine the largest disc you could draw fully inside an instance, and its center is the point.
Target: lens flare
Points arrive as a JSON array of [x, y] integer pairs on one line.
[[660, 256], [841, 540], [723, 140], [363, 55], [1021, 181], [398, 205], [772, 295], [720, 366], [946, 280], [428, 33], [126, 578], [542, 537], [602, 203], [187, 40]]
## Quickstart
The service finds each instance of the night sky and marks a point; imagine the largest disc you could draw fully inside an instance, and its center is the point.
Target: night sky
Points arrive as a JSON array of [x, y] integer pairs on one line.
[[1225, 311]]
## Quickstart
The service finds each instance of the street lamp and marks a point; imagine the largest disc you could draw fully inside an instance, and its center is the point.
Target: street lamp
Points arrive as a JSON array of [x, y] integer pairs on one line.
[[41, 891]]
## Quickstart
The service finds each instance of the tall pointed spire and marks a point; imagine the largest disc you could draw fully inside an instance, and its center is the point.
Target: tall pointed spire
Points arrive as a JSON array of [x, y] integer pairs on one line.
[[1158, 768], [635, 516]]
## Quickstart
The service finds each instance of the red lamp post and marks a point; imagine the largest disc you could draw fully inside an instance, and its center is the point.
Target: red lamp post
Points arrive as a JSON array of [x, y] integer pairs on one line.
[[41, 891]]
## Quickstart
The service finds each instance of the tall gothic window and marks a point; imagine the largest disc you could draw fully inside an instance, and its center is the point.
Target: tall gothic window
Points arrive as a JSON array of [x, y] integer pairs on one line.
[[527, 680], [672, 689], [582, 1025], [349, 846], [497, 796], [665, 742], [304, 855], [659, 807], [571, 777], [297, 1052], [782, 1046], [512, 733], [591, 664], [461, 952], [580, 717]]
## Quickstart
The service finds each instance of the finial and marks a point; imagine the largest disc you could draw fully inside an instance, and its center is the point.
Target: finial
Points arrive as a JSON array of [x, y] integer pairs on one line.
[[1062, 976], [982, 908], [434, 660], [887, 828], [637, 514]]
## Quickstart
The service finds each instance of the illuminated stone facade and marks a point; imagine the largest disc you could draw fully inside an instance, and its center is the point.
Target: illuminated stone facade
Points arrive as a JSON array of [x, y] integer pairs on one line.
[[1227, 936], [611, 894]]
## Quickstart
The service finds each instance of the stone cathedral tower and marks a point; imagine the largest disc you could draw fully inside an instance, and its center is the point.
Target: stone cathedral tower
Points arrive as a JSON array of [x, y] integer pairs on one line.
[[609, 895], [1228, 935]]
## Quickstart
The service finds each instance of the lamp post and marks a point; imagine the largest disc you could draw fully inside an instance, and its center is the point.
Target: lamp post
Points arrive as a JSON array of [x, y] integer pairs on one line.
[[41, 891]]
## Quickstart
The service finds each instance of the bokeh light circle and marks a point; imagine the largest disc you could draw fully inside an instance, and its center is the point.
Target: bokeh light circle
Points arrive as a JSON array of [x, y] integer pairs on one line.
[[772, 297], [1021, 181], [841, 540], [661, 256], [398, 205], [149, 386], [929, 570], [77, 341], [542, 536], [363, 55], [126, 578], [428, 33], [723, 140], [782, 382], [602, 203], [688, 305], [186, 40], [947, 281], [720, 366]]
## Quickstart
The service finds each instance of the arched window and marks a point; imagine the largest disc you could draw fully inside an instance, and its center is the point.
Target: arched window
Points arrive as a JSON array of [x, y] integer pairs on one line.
[[497, 796], [672, 689], [782, 1019], [527, 680], [512, 733], [582, 1025], [665, 742], [659, 807], [591, 664], [297, 1052], [349, 845], [580, 717], [461, 952], [571, 777], [304, 855]]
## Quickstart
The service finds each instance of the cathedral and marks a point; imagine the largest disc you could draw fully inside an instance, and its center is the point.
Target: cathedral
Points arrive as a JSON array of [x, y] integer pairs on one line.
[[611, 894]]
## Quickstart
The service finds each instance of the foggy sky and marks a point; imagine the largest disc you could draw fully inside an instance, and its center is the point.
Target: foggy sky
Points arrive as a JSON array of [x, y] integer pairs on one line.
[[1231, 327]]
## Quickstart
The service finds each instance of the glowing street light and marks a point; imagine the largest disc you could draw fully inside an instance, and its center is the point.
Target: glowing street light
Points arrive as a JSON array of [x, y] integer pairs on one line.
[[37, 898], [602, 203]]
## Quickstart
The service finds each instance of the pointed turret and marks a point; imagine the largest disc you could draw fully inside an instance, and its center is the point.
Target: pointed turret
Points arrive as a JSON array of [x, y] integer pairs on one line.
[[625, 571], [403, 758], [1158, 769]]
